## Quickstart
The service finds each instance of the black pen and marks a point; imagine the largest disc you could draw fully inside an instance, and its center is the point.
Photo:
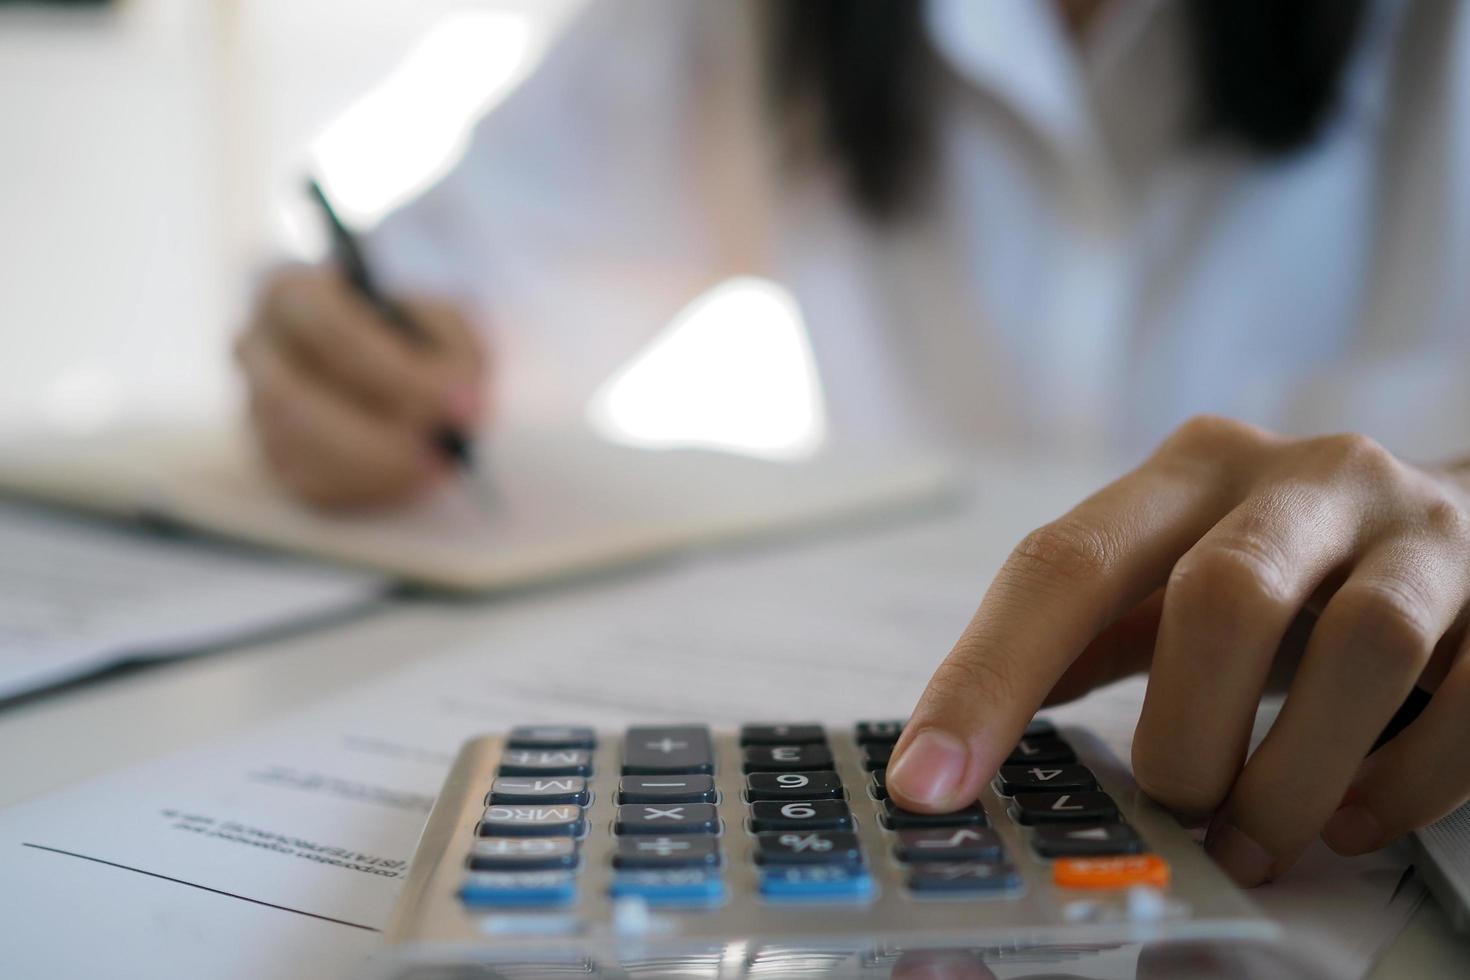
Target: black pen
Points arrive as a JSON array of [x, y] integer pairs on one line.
[[449, 440]]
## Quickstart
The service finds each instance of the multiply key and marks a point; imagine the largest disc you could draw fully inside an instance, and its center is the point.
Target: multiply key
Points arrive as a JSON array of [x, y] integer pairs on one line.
[[545, 762], [654, 751], [667, 818], [532, 821], [531, 789], [1080, 807], [1041, 778], [787, 758], [808, 847]]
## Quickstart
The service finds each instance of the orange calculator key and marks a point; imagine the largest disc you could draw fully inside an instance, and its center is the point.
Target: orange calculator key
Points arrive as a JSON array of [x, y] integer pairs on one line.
[[1111, 872]]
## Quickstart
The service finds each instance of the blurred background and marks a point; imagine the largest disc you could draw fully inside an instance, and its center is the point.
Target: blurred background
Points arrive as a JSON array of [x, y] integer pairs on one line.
[[153, 162]]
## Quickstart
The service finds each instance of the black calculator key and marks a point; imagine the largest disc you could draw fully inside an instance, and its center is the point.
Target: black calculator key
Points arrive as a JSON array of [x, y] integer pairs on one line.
[[948, 844], [880, 784], [1085, 806], [1066, 840], [654, 751], [793, 786], [539, 789], [897, 818], [1033, 750], [1040, 728], [782, 735], [787, 758], [545, 762], [667, 818], [879, 731], [664, 852], [876, 756], [523, 853], [966, 877], [1041, 778], [800, 815], [808, 847], [552, 737], [532, 821], [667, 789]]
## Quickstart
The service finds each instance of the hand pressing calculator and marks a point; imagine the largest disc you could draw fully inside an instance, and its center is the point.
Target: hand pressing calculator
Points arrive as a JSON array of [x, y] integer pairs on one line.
[[774, 851]]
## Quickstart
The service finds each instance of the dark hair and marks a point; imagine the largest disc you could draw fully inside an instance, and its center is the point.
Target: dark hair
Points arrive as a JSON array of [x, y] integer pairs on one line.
[[1268, 72]]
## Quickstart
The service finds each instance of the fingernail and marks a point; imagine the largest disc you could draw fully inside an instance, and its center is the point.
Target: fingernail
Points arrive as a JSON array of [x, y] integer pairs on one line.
[[930, 768], [1353, 830], [1247, 862], [464, 405]]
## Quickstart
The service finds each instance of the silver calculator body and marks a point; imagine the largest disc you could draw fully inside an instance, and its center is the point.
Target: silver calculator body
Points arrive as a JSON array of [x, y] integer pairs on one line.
[[1028, 925]]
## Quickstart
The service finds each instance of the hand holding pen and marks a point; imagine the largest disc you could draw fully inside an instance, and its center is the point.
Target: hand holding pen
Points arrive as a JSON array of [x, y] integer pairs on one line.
[[352, 408]]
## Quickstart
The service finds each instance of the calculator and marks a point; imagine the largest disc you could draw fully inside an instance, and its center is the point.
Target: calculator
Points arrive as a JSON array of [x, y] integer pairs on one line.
[[775, 850]]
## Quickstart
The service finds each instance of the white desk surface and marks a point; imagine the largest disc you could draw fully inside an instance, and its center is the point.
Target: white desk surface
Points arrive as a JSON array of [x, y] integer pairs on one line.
[[65, 736]]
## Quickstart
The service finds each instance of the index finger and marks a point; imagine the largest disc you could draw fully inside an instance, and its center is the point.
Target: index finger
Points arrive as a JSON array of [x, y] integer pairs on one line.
[[1060, 587]]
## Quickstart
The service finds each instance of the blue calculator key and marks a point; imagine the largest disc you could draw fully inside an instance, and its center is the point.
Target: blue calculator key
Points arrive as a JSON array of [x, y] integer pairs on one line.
[[546, 762], [518, 889], [687, 888], [552, 737], [816, 884]]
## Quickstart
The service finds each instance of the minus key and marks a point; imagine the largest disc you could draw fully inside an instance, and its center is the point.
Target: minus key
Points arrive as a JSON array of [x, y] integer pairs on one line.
[[694, 788]]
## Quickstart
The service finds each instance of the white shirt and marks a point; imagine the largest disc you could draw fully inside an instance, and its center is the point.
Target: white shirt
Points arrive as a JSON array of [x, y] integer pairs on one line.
[[1089, 275]]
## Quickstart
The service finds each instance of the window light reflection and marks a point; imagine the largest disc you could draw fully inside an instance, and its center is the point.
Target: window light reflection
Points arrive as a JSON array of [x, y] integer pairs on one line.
[[733, 371]]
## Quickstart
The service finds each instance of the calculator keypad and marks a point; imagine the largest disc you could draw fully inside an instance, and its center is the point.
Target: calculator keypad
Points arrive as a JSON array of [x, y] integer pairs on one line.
[[668, 826]]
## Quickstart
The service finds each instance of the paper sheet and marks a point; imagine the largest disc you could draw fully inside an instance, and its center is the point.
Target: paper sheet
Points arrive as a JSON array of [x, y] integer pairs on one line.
[[281, 853], [77, 596]]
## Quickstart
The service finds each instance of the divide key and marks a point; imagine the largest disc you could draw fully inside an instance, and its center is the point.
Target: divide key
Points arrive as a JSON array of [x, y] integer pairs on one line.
[[656, 751]]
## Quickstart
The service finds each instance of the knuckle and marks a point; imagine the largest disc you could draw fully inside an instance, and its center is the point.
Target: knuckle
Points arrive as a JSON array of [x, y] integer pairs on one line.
[[1067, 550], [1360, 456], [1185, 789], [1241, 570], [1447, 519], [1390, 620], [1209, 435]]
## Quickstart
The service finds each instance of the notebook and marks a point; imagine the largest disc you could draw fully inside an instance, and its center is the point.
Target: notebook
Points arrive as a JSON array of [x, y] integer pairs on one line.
[[550, 503]]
